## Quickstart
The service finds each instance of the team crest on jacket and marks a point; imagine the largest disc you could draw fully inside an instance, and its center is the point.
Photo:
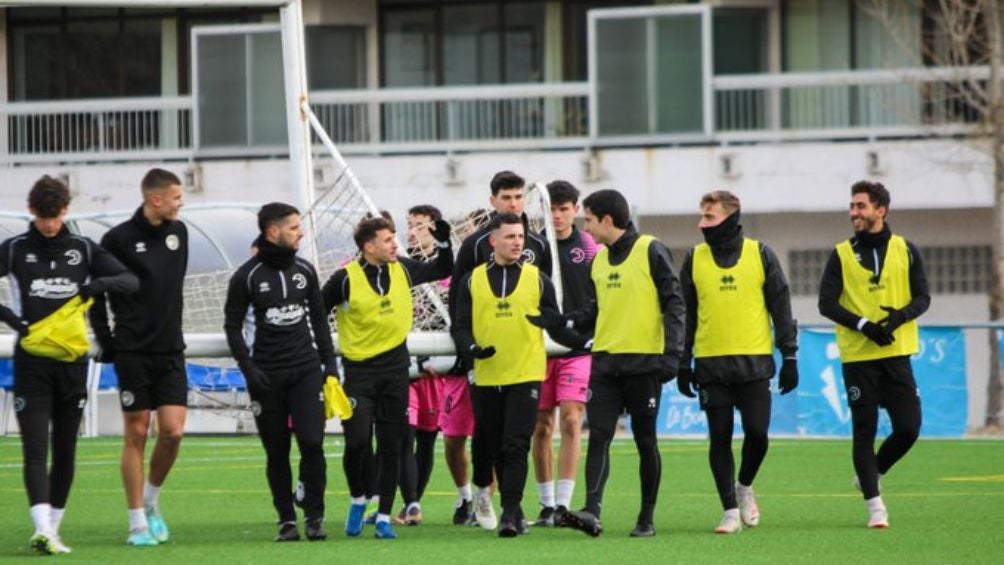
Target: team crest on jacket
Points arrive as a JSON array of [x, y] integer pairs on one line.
[[73, 257], [172, 242], [300, 280], [529, 256], [578, 255]]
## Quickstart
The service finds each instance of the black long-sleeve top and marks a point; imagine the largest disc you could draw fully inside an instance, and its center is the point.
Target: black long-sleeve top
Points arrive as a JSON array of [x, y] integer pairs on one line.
[[503, 280], [777, 297], [290, 322], [337, 288], [667, 284], [46, 272], [158, 255], [870, 250]]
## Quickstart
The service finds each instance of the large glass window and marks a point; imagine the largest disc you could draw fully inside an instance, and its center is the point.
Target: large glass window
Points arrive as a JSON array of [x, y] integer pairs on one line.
[[443, 42], [336, 57]]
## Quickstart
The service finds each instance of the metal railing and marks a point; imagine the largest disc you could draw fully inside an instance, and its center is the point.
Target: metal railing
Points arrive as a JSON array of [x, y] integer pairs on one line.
[[470, 117], [101, 129], [763, 107], [848, 104]]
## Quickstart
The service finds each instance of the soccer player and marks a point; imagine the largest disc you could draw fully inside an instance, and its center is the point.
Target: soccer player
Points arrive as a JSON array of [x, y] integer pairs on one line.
[[457, 418], [48, 266], [734, 288], [147, 347], [418, 450], [507, 352], [284, 373], [567, 381], [638, 318], [874, 288], [372, 298]]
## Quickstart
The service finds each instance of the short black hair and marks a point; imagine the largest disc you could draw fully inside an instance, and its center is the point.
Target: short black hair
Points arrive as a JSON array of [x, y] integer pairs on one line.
[[504, 180], [48, 197], [274, 213], [562, 192], [609, 203], [156, 179], [426, 210], [501, 219], [876, 192], [367, 229]]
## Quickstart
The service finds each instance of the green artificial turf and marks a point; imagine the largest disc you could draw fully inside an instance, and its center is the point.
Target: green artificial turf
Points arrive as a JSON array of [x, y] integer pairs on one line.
[[945, 501]]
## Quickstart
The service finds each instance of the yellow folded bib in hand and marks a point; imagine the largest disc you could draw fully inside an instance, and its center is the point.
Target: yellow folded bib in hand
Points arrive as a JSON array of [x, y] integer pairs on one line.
[[61, 335], [336, 403]]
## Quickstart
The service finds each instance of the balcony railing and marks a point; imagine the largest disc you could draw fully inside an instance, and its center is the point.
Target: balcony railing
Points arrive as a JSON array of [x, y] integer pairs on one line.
[[103, 130], [746, 108]]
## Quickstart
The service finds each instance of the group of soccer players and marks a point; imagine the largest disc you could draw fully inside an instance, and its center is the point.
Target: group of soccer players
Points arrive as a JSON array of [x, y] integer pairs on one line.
[[630, 322]]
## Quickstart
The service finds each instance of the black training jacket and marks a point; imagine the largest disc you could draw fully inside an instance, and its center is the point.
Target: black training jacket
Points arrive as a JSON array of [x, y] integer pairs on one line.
[[729, 369], [147, 321], [46, 272], [290, 322]]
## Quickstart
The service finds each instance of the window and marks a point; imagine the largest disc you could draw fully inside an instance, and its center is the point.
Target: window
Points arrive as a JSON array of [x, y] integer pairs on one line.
[[336, 57], [460, 43], [949, 270]]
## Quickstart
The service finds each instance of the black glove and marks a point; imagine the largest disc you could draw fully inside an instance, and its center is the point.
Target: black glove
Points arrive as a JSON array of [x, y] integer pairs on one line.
[[482, 353], [877, 334], [893, 321], [106, 351], [548, 319], [685, 382], [256, 379], [441, 231], [670, 367], [788, 377]]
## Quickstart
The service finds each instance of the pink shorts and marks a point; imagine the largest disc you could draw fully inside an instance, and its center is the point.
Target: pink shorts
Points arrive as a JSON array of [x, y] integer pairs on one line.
[[456, 418], [567, 381], [424, 403]]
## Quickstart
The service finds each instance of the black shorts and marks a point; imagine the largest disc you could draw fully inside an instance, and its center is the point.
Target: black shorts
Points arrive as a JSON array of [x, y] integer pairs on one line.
[[639, 395], [885, 382], [738, 395], [148, 381], [383, 397], [49, 386]]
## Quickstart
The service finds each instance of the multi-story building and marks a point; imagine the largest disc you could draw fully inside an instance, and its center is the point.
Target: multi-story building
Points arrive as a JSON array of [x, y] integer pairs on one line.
[[786, 102]]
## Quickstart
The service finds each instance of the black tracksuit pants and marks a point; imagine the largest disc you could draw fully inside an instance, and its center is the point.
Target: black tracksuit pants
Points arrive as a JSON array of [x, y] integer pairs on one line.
[[293, 393], [380, 400], [504, 419], [49, 392], [610, 396]]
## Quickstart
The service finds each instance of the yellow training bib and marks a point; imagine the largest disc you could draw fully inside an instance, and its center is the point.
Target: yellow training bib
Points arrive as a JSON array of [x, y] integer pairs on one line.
[[864, 297], [501, 322], [373, 324], [731, 310], [630, 317]]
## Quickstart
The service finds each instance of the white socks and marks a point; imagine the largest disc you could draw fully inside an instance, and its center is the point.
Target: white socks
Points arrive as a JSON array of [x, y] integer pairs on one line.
[[565, 489], [385, 518], [545, 491], [150, 494], [358, 500], [137, 520], [55, 519], [413, 505], [875, 504], [463, 493], [41, 515]]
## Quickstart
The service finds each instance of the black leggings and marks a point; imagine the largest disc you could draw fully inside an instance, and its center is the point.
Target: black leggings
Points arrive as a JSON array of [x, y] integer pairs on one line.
[[416, 463], [611, 395], [721, 420], [905, 419], [45, 485]]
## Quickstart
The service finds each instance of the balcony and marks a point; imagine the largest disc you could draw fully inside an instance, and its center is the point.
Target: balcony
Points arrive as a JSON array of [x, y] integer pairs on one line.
[[902, 103]]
